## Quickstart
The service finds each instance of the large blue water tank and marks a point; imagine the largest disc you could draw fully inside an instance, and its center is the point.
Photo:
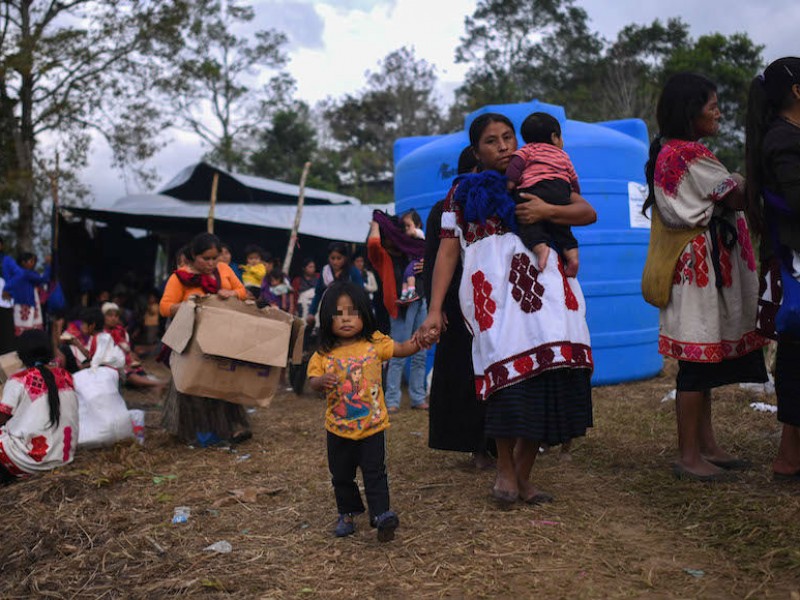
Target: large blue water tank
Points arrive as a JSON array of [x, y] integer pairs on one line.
[[609, 158]]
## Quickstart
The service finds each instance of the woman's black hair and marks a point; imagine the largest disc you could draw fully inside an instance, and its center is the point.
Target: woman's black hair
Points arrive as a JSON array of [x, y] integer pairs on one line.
[[202, 242], [539, 127], [769, 94], [680, 103], [340, 248], [481, 123], [93, 316], [307, 261], [414, 216], [25, 257], [327, 311], [183, 252], [467, 161], [35, 350]]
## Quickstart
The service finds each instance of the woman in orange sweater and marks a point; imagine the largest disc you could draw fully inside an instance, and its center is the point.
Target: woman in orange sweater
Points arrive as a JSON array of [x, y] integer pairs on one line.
[[194, 419]]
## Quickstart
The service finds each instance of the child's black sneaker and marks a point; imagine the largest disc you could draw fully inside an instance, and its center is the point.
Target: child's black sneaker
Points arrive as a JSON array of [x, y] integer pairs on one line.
[[345, 525], [386, 523]]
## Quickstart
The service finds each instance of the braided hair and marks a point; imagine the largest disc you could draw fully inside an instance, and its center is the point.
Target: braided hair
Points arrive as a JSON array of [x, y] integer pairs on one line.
[[35, 351]]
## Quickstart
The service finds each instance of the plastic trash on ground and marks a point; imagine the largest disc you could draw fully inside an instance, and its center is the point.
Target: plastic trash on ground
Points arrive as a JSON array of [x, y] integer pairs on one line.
[[764, 407], [181, 514], [222, 547], [670, 396]]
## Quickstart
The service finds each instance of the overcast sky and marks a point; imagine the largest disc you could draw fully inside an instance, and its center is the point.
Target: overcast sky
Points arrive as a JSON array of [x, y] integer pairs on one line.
[[334, 42]]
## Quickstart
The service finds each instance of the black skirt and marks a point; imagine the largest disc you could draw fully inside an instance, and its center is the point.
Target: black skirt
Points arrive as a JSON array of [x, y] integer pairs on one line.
[[698, 377], [551, 408], [192, 419], [787, 382], [456, 417]]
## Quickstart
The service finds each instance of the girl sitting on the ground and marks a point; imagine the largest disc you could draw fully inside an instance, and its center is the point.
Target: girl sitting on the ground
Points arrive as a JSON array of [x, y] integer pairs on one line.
[[78, 340], [135, 375], [348, 369], [37, 436]]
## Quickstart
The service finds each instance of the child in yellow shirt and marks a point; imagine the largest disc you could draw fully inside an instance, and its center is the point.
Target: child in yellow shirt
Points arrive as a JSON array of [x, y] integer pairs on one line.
[[348, 369], [255, 270]]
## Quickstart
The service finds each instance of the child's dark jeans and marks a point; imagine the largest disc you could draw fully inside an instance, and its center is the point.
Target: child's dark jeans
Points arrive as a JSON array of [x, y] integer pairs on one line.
[[344, 457]]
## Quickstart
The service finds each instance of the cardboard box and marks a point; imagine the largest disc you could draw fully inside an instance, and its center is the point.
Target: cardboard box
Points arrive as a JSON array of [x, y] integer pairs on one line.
[[9, 364], [232, 350]]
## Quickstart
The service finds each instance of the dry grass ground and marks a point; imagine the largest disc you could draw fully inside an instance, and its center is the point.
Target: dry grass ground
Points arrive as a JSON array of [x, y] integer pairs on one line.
[[621, 526]]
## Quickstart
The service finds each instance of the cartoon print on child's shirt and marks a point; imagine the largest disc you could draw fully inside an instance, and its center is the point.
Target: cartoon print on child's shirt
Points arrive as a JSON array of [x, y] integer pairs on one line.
[[356, 399]]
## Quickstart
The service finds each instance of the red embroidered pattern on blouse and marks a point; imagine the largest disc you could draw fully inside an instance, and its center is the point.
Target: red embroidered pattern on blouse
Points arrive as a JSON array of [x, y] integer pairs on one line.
[[683, 269], [700, 251], [710, 352], [34, 384], [744, 243], [512, 370], [570, 301], [484, 305], [673, 163], [725, 264], [38, 448], [526, 290]]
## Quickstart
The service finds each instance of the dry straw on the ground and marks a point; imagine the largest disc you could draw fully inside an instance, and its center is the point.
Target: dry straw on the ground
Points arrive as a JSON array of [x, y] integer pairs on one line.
[[621, 526]]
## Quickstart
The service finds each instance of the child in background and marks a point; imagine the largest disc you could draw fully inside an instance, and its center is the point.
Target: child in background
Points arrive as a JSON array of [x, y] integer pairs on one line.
[[541, 167], [412, 223], [276, 291], [79, 341], [151, 319], [135, 375], [348, 369], [255, 270], [226, 257], [37, 436]]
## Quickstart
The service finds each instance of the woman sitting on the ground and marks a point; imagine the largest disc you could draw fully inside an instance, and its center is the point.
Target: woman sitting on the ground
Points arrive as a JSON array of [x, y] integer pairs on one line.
[[37, 436]]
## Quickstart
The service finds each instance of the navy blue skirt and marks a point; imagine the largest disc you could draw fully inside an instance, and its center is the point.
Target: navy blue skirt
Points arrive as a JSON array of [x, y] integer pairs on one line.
[[698, 377], [787, 381], [551, 408]]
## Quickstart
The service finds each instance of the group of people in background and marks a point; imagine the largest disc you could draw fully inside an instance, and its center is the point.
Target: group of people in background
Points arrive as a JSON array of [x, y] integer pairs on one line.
[[493, 283]]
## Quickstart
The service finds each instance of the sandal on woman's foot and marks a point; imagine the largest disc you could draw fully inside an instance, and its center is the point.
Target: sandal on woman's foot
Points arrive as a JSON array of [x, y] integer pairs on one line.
[[539, 498], [504, 499], [732, 464], [681, 472], [785, 476]]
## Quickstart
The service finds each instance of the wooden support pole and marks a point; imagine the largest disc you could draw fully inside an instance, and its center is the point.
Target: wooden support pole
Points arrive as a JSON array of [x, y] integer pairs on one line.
[[213, 204], [297, 217]]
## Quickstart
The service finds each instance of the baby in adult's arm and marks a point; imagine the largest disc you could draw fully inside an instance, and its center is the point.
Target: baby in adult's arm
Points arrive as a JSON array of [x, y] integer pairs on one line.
[[541, 167]]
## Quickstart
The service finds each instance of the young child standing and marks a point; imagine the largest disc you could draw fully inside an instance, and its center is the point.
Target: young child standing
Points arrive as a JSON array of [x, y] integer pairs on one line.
[[255, 270], [541, 167], [276, 291], [348, 369], [412, 224]]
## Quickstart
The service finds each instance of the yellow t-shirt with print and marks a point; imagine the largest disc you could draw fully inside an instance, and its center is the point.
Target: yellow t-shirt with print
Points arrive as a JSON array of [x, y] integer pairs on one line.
[[356, 408]]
